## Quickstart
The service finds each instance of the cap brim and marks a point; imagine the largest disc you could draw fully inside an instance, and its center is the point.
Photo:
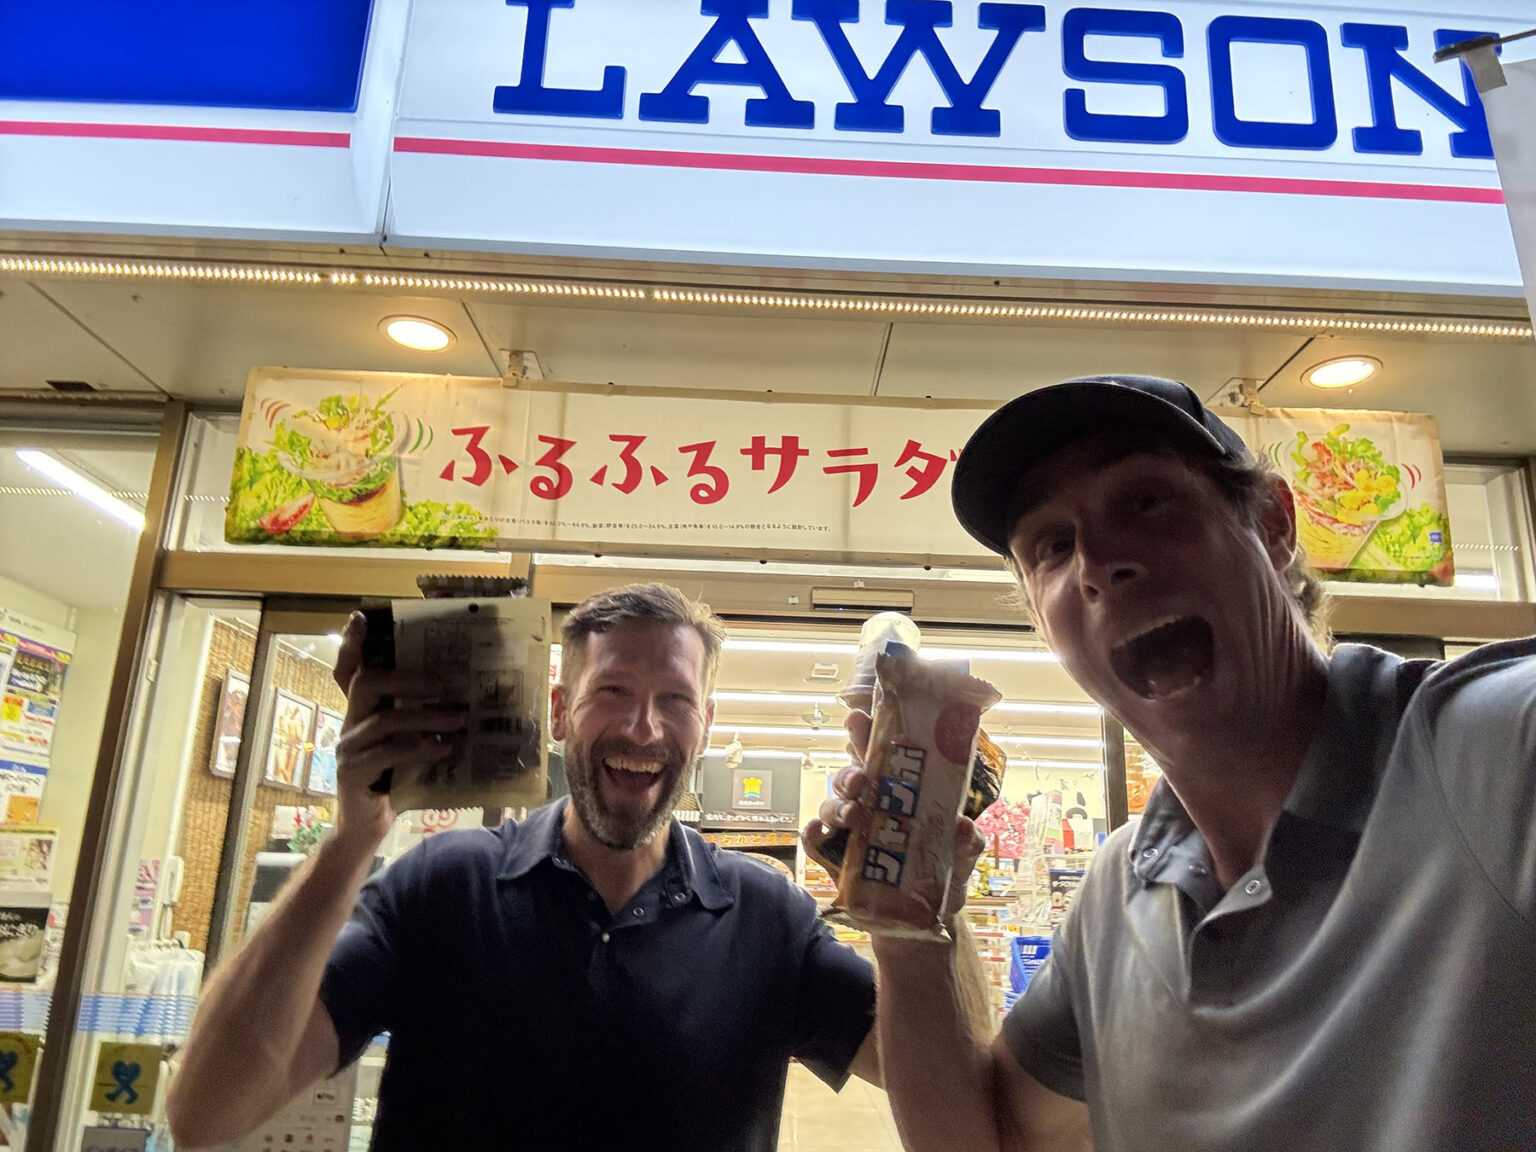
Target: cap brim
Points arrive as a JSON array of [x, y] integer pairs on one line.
[[1025, 431]]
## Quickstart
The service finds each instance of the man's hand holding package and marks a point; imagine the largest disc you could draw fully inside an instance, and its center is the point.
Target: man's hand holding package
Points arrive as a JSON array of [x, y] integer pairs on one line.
[[853, 802], [409, 738]]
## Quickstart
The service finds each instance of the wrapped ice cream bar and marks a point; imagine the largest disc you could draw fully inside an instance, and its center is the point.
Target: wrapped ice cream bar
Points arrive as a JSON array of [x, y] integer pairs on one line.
[[879, 630], [922, 744], [490, 657]]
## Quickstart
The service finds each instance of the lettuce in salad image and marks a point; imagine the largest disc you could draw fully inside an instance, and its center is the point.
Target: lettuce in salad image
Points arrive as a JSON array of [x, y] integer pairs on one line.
[[1412, 548], [1344, 477], [269, 504]]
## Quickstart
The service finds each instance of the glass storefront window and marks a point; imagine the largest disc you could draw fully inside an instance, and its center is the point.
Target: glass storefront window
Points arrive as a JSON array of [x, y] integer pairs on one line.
[[71, 508]]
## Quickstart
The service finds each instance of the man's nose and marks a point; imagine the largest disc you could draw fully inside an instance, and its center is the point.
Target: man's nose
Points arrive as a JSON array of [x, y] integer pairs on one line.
[[643, 723], [1106, 562]]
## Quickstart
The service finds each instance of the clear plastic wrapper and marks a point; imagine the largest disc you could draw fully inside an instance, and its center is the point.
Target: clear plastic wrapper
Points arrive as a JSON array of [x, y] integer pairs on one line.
[[922, 746]]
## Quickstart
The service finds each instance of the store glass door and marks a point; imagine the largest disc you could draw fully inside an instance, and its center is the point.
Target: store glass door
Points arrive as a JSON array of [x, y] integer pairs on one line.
[[229, 783]]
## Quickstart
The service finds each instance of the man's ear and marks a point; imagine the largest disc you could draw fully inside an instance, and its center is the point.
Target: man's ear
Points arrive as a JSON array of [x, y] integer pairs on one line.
[[1277, 524], [557, 712]]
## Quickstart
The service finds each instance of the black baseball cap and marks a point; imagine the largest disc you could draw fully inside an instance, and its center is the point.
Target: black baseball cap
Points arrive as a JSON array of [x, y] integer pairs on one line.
[[1025, 431]]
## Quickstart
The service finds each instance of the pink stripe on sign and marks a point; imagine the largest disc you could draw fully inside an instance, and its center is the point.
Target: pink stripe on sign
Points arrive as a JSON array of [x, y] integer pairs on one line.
[[180, 132], [983, 173]]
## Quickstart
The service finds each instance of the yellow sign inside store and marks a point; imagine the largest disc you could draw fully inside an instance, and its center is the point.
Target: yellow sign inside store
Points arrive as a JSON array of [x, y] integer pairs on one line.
[[18, 1061], [126, 1078]]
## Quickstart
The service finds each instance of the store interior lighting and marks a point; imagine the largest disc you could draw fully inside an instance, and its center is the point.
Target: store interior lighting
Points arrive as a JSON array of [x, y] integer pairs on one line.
[[416, 333], [48, 465], [1053, 741], [1343, 372], [826, 648]]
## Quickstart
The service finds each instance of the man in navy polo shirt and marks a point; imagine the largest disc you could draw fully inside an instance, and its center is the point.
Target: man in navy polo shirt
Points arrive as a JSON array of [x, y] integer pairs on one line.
[[597, 977]]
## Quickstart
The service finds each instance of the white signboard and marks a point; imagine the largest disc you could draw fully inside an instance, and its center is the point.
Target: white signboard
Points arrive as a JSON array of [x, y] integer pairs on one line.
[[1509, 93], [1195, 139]]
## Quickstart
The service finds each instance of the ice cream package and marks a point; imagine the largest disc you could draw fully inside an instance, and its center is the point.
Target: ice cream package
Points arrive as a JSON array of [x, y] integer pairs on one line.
[[922, 745], [490, 657]]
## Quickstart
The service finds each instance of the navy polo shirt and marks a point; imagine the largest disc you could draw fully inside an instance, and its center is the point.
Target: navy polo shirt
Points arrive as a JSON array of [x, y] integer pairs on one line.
[[522, 1015]]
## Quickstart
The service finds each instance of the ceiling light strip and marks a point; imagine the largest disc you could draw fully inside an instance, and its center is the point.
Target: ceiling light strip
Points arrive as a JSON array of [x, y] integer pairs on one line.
[[852, 305]]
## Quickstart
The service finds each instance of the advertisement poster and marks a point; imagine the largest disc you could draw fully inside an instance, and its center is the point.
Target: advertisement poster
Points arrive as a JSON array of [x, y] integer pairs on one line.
[[322, 758], [1064, 885], [21, 942], [18, 1061], [465, 462], [226, 735], [1370, 490], [293, 720], [34, 659], [319, 1119], [126, 1077], [21, 793], [26, 857]]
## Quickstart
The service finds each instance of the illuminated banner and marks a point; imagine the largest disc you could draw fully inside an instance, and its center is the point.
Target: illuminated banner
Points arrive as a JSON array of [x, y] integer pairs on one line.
[[335, 458], [1370, 490]]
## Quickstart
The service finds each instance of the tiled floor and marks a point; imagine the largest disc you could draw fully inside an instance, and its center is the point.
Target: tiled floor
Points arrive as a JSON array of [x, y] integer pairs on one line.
[[816, 1119]]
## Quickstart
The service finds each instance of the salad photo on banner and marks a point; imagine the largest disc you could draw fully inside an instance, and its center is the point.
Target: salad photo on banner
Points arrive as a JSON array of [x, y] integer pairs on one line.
[[1369, 487], [329, 471]]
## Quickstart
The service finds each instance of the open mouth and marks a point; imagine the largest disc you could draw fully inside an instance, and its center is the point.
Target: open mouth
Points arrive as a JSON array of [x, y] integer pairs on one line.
[[1166, 658], [630, 775]]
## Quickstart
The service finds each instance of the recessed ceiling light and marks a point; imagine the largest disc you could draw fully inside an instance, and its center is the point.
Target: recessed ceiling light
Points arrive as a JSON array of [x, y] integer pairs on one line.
[[1343, 372], [416, 333]]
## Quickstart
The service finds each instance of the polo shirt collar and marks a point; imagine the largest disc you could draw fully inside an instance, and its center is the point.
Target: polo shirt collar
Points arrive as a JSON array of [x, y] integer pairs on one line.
[[690, 865], [1338, 778]]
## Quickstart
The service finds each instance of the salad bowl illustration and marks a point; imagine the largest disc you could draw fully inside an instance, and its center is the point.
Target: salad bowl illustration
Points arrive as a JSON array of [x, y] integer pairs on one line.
[[1344, 488], [347, 450]]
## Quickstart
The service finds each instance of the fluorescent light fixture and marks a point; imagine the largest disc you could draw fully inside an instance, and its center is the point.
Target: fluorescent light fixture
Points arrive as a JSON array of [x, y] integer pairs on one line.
[[1076, 765], [806, 647], [1053, 741], [829, 648], [333, 637], [416, 333], [46, 464], [1477, 581], [762, 753], [1343, 371], [1041, 709], [835, 730], [773, 698], [1006, 655]]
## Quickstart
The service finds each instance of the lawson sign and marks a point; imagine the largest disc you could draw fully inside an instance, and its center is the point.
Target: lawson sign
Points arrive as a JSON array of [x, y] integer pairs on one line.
[[1214, 141], [1195, 140]]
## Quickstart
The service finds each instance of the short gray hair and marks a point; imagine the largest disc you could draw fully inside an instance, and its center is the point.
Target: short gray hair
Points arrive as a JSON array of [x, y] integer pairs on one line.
[[638, 604]]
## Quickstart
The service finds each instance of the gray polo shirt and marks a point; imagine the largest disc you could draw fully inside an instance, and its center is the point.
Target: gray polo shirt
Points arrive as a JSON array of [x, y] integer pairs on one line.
[[1370, 986]]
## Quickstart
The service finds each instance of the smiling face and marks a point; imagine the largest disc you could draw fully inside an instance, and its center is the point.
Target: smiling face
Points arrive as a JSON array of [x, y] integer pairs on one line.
[[633, 722], [1160, 597]]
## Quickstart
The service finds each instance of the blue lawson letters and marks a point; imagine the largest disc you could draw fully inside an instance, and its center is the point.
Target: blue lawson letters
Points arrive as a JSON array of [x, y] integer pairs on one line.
[[1381, 48]]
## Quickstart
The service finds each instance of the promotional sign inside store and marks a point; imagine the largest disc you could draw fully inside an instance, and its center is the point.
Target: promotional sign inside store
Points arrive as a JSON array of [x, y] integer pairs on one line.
[[333, 458]]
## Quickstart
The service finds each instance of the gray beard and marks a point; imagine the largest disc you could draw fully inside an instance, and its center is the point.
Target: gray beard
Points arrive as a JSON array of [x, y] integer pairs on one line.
[[612, 829]]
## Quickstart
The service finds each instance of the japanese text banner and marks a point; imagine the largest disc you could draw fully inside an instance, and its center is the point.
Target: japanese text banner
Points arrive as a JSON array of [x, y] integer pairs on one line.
[[430, 461], [332, 458]]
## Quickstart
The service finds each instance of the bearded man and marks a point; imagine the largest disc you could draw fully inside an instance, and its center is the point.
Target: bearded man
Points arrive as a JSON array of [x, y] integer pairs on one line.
[[595, 977]]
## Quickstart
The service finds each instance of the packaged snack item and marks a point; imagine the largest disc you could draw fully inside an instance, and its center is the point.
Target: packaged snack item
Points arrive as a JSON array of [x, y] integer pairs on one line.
[[921, 748], [858, 693], [491, 657]]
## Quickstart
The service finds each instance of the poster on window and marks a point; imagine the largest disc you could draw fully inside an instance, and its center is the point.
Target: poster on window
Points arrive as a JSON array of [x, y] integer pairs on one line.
[[34, 659], [226, 733], [293, 720], [322, 757], [1369, 488]]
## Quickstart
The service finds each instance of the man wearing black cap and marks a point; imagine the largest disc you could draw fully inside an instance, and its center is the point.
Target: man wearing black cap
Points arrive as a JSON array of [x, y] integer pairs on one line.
[[1322, 931]]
